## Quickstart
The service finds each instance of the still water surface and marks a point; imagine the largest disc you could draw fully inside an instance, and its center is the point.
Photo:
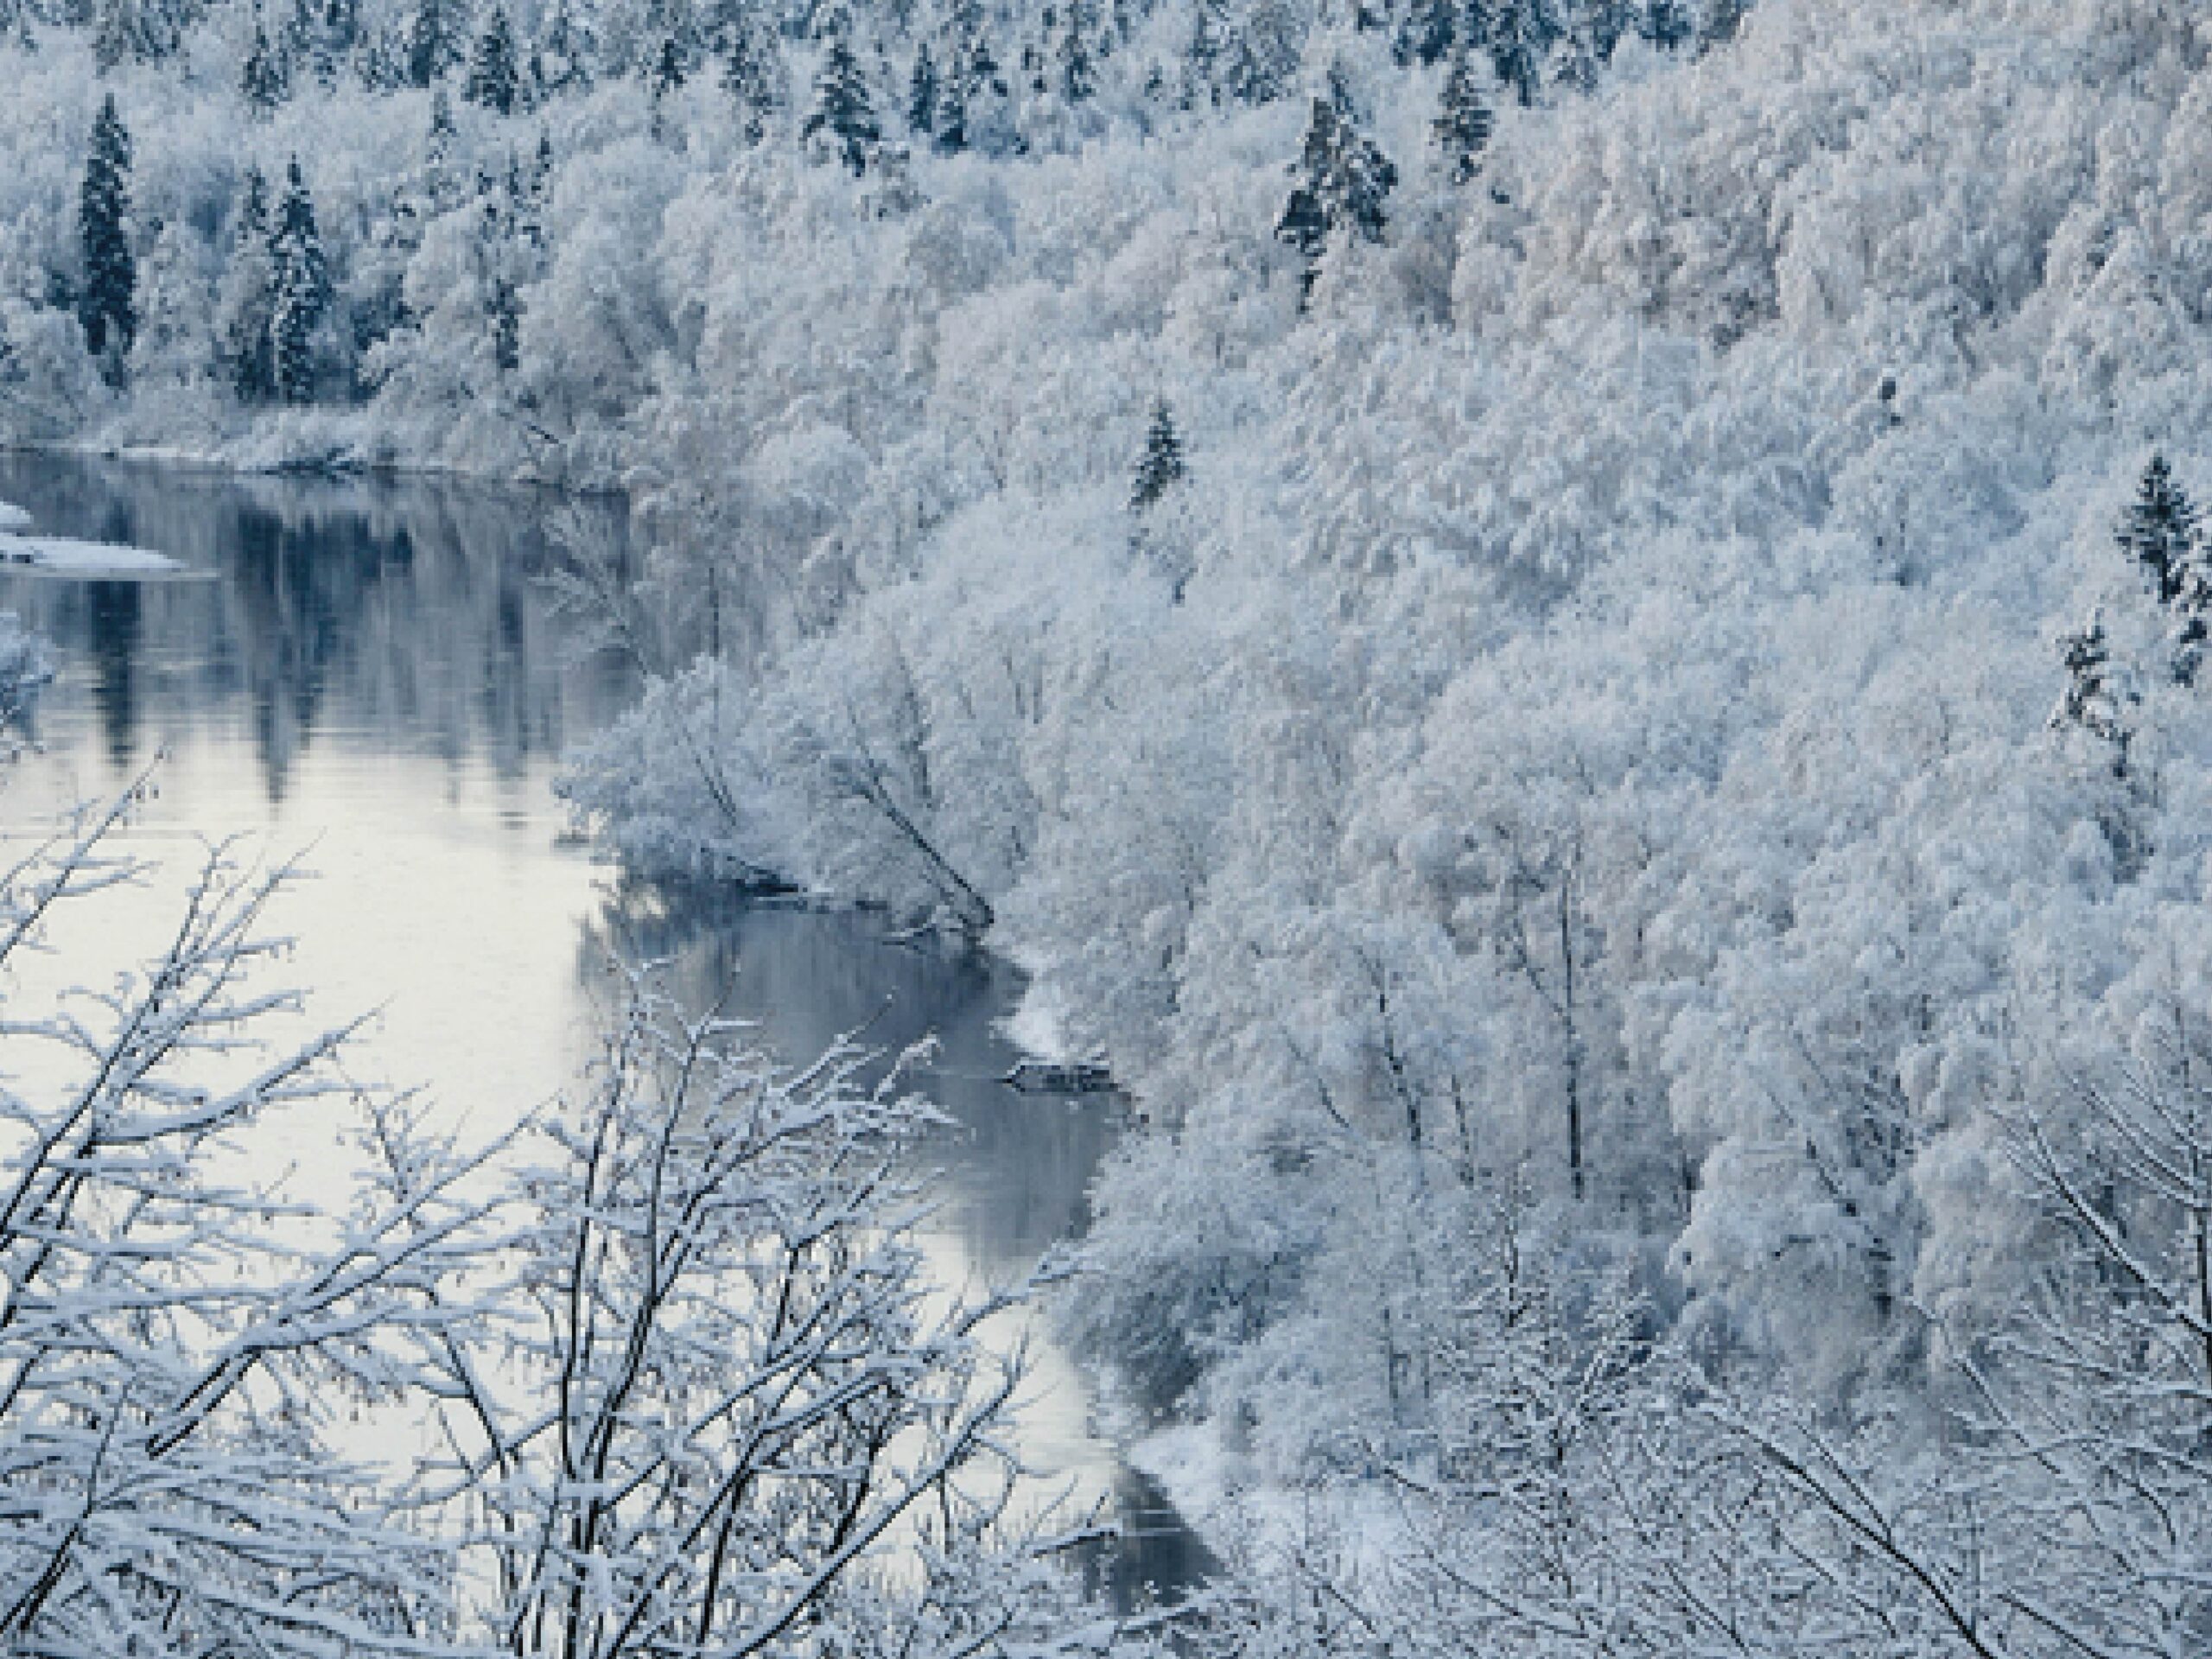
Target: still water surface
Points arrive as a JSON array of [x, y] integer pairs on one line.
[[375, 679]]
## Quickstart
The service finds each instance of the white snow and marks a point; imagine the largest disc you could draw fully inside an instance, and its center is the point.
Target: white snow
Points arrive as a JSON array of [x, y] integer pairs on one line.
[[13, 518], [58, 555]]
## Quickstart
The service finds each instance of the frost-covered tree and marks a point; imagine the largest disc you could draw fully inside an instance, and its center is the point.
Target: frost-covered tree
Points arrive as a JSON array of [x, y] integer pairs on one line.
[[843, 116], [1077, 57], [437, 39], [1667, 24], [178, 1336], [107, 302], [1160, 468], [2159, 530], [2096, 700], [301, 289], [1344, 184], [1427, 33], [732, 1395], [494, 77], [1464, 119], [246, 305], [261, 80], [1521, 36], [1719, 22], [564, 51], [922, 95], [753, 74]]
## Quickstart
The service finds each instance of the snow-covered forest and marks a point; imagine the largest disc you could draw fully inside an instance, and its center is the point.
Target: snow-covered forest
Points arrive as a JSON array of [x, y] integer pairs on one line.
[[1569, 630]]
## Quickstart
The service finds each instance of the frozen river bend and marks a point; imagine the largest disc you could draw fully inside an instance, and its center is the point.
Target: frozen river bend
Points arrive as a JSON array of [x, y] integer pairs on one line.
[[374, 677]]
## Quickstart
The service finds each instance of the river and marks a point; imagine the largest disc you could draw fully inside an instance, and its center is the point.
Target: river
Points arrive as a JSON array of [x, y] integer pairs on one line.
[[376, 679]]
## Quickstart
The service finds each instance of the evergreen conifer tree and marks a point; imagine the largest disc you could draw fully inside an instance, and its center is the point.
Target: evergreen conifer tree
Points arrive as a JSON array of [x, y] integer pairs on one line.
[[952, 113], [1160, 468], [564, 51], [843, 110], [244, 313], [1079, 69], [2159, 529], [752, 75], [669, 69], [1464, 120], [107, 304], [1344, 184], [1667, 25], [1427, 32], [2095, 700], [1521, 34], [1721, 19], [494, 79], [262, 78], [434, 42], [921, 94], [1204, 55], [303, 296]]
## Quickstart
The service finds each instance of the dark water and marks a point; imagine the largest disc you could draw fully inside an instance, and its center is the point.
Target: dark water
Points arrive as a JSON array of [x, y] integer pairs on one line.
[[376, 675]]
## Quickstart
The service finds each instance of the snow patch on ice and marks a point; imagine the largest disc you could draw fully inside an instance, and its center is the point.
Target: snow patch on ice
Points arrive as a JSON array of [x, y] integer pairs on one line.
[[58, 555], [1038, 1026]]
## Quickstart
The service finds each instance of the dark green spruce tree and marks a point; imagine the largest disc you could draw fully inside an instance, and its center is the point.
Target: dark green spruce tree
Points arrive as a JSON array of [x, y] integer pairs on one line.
[[1160, 468], [302, 296], [262, 79], [1427, 32], [433, 39], [495, 76], [1344, 185], [1521, 36], [921, 94], [1079, 65], [107, 305], [2159, 529], [1464, 120], [1667, 25], [843, 113]]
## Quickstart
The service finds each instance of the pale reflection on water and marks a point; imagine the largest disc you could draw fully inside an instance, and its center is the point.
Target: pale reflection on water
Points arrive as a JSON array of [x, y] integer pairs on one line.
[[377, 680]]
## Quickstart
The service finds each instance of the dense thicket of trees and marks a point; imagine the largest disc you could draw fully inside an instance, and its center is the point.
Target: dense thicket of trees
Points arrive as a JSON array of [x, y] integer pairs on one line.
[[1659, 698]]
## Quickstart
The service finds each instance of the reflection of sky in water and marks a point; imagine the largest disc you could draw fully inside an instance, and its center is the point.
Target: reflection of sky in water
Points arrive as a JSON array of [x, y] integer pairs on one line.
[[376, 681]]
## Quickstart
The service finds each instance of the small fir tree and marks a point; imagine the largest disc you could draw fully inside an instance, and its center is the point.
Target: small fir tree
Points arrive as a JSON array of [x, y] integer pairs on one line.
[[1160, 468], [951, 115], [434, 40], [1721, 20], [2095, 700], [1667, 25], [1079, 69], [843, 113], [261, 81], [107, 306], [1464, 120], [494, 79], [921, 94], [1427, 33], [2159, 531], [302, 289], [670, 69], [1521, 34], [753, 74]]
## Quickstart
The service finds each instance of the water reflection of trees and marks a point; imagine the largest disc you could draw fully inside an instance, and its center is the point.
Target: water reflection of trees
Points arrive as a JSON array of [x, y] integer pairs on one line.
[[1017, 1168], [409, 609]]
